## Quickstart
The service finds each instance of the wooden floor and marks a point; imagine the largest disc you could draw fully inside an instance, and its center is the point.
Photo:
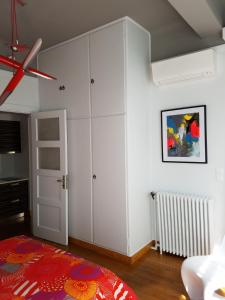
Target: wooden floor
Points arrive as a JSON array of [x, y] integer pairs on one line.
[[154, 277]]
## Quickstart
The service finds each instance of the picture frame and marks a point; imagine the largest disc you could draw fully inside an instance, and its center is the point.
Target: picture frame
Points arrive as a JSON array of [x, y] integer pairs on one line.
[[184, 135]]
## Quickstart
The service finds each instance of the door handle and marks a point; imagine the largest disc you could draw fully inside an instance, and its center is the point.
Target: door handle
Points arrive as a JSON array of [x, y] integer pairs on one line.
[[64, 182]]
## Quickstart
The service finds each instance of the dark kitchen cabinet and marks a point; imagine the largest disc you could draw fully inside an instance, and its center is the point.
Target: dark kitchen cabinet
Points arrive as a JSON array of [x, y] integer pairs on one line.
[[14, 208], [10, 139]]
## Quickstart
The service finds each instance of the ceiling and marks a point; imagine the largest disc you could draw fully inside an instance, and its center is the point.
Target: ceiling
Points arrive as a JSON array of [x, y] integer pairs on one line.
[[176, 26]]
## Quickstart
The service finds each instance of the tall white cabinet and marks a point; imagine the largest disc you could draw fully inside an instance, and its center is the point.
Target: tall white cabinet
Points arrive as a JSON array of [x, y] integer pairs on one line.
[[103, 82]]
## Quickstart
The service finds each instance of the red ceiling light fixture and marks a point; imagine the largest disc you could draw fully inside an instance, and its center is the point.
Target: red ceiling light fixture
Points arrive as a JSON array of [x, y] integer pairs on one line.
[[21, 68], [15, 46]]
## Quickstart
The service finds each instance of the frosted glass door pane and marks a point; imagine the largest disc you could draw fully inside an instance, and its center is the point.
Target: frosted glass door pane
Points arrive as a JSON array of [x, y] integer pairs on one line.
[[49, 158], [48, 129]]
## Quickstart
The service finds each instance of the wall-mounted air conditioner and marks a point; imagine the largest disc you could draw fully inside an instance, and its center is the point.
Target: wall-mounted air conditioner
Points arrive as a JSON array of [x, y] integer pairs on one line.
[[197, 65]]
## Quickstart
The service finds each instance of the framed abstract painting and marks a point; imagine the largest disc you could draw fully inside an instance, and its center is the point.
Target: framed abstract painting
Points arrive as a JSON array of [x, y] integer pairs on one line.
[[184, 137]]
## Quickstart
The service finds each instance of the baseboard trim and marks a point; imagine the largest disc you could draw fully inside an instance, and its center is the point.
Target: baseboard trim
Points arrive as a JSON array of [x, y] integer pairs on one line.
[[142, 252], [129, 260]]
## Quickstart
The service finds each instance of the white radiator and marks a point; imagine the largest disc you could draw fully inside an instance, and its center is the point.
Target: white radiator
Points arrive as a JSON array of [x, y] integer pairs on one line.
[[184, 223]]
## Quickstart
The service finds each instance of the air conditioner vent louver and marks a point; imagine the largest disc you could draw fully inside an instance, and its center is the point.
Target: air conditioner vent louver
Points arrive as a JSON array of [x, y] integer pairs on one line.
[[198, 65]]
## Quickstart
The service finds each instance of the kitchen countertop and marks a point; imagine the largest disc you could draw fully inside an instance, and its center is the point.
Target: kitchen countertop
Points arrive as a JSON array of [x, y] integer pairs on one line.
[[11, 180]]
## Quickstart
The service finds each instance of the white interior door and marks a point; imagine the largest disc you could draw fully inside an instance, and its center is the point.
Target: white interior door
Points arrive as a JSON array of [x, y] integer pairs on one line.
[[50, 169]]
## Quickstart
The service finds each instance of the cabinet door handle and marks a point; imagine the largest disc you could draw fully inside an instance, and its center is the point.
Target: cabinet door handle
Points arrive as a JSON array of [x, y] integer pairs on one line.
[[62, 88], [15, 184], [94, 176], [92, 81], [15, 201]]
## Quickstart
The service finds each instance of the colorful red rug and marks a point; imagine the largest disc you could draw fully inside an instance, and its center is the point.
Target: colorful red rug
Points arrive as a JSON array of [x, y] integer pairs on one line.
[[31, 270]]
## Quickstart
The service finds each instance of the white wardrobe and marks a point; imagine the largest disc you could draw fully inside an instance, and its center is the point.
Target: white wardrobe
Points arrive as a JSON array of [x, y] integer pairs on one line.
[[103, 82]]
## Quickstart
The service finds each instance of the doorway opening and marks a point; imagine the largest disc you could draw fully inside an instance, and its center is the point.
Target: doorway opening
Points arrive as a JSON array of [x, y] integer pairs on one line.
[[15, 204]]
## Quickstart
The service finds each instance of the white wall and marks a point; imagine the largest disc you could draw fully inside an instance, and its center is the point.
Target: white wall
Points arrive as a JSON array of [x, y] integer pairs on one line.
[[25, 98], [193, 178]]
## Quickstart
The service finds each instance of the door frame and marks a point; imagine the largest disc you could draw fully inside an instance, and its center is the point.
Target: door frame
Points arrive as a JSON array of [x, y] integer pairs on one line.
[[30, 189], [61, 202], [30, 158]]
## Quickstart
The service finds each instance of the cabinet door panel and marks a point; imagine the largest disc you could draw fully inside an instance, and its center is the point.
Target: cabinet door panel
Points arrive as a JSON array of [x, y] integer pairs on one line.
[[107, 70], [109, 193], [69, 63], [80, 180]]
